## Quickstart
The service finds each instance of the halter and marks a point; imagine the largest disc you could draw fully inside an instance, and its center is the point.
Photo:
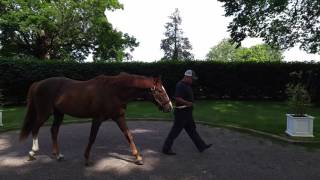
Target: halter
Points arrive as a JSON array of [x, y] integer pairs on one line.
[[154, 91]]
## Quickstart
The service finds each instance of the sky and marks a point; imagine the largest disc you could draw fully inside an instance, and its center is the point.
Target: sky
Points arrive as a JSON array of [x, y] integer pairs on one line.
[[202, 22]]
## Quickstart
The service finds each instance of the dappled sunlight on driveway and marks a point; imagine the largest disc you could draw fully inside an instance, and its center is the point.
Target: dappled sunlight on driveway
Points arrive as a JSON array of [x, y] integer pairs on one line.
[[12, 161], [137, 131], [123, 164], [4, 143]]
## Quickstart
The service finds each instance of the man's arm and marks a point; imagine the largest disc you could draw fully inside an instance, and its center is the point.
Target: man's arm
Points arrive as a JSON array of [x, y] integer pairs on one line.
[[180, 100]]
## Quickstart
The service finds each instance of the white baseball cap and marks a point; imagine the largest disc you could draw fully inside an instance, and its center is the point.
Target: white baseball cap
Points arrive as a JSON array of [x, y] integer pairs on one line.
[[191, 73]]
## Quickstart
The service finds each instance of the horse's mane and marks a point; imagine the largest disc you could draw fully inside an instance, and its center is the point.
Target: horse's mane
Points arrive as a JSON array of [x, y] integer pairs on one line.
[[124, 79]]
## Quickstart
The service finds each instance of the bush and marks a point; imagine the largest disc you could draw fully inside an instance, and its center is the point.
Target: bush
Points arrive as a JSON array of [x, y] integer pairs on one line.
[[237, 80], [299, 99]]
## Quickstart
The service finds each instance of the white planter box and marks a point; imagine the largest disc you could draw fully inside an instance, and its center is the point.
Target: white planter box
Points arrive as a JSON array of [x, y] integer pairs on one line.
[[300, 126]]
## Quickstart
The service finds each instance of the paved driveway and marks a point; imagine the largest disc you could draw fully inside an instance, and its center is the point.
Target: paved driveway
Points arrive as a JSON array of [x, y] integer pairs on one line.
[[233, 155]]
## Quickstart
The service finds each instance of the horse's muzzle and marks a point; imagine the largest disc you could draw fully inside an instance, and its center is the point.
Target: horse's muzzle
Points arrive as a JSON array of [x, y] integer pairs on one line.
[[168, 107]]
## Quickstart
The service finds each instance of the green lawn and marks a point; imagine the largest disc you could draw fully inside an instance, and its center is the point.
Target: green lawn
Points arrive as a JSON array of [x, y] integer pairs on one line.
[[264, 116]]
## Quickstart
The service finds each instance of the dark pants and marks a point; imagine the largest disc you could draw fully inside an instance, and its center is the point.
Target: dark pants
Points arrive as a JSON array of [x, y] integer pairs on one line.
[[183, 119]]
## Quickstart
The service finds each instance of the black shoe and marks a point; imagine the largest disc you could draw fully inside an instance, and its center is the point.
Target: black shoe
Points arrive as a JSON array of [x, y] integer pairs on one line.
[[169, 152], [205, 147]]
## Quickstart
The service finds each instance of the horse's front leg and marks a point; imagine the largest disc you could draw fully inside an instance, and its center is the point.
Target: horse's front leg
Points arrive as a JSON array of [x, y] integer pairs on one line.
[[93, 134], [123, 126], [58, 117]]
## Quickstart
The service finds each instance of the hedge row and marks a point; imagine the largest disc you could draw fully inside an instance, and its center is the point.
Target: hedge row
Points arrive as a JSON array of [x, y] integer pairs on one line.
[[239, 80]]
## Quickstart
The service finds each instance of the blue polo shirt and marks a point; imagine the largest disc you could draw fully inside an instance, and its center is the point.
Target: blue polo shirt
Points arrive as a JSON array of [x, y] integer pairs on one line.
[[184, 91]]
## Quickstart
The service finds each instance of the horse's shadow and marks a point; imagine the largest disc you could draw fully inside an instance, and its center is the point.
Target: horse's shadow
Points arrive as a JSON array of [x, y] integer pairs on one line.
[[120, 157]]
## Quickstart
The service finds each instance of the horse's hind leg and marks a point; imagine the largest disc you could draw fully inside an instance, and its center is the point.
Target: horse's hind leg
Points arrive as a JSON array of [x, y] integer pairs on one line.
[[123, 126], [41, 118], [58, 117], [35, 148], [93, 134]]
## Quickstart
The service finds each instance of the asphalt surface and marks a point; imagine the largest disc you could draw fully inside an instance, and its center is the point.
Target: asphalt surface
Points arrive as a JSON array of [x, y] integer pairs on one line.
[[233, 155]]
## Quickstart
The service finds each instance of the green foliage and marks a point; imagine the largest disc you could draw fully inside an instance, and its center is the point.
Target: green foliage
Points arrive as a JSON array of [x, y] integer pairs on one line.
[[261, 52], [227, 51], [282, 23], [175, 46], [217, 80], [63, 29]]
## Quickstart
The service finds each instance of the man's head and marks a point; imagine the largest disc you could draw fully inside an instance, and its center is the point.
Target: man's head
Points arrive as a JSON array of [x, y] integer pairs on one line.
[[190, 76]]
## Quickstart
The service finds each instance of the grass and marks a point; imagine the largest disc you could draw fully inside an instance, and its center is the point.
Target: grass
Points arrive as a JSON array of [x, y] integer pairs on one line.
[[263, 116], [259, 115]]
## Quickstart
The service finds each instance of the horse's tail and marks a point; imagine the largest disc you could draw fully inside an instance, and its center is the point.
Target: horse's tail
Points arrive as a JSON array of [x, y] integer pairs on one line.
[[30, 118]]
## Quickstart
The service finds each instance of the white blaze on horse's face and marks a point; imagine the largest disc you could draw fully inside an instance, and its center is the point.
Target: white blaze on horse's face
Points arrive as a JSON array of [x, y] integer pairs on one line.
[[161, 98], [169, 106]]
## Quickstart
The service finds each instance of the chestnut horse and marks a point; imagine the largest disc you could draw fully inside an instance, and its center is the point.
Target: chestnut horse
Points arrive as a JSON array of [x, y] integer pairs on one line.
[[100, 98]]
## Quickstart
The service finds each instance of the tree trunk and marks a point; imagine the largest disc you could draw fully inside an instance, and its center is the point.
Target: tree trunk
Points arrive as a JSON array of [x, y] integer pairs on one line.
[[43, 46], [175, 50]]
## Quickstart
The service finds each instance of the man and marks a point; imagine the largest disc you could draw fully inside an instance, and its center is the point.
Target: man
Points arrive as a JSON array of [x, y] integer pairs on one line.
[[183, 118]]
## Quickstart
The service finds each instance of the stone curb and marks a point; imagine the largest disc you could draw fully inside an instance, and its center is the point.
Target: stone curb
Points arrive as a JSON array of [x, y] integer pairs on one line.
[[233, 127]]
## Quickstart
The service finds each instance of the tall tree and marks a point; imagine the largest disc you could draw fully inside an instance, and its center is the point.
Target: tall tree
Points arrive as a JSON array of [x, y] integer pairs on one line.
[[175, 46], [226, 51], [61, 29], [284, 23]]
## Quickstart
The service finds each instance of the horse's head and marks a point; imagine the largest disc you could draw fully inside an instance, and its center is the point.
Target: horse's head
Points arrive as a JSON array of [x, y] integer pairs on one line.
[[160, 96]]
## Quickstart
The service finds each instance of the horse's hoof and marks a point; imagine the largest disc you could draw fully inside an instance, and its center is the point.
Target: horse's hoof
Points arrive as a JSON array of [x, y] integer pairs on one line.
[[139, 162], [60, 157], [32, 156]]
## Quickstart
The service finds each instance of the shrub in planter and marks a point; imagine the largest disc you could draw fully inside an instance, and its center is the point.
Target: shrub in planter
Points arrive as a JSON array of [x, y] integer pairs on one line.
[[298, 122], [299, 99]]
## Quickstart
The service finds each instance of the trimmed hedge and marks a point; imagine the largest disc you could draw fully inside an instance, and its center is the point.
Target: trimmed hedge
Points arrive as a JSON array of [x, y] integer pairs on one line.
[[237, 80]]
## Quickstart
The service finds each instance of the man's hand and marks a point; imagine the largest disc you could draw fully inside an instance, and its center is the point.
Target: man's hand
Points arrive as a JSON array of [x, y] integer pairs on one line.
[[189, 104], [184, 102]]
